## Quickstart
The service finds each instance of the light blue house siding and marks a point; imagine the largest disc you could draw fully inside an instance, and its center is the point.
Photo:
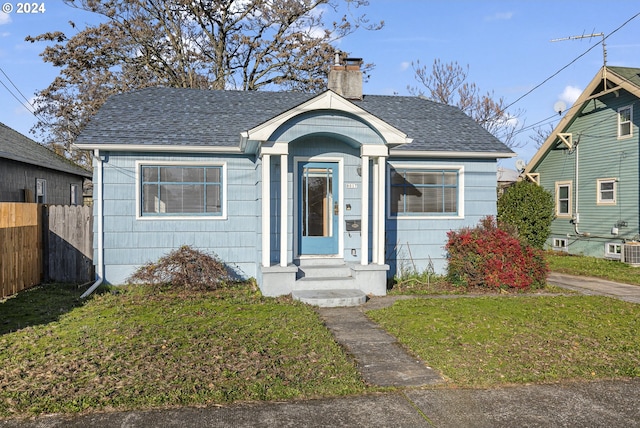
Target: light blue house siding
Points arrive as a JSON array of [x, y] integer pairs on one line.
[[417, 244], [130, 241], [234, 133], [599, 154]]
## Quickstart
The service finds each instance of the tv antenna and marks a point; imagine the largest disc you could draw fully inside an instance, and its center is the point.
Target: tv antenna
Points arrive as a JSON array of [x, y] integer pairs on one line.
[[604, 49]]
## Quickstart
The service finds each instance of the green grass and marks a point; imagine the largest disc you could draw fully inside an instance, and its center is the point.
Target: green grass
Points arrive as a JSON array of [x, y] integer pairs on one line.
[[590, 266], [142, 349], [489, 341]]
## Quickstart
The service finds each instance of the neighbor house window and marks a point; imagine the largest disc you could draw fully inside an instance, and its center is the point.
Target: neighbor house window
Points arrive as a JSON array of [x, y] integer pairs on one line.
[[563, 199], [424, 191], [607, 191], [41, 191], [613, 250], [74, 195], [560, 244], [181, 190], [624, 121]]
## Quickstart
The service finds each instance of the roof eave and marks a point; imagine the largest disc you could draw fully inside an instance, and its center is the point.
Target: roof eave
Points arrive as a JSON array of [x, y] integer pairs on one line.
[[448, 154]]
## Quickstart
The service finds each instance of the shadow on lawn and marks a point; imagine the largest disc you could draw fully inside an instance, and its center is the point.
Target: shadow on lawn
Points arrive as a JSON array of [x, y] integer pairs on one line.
[[41, 304]]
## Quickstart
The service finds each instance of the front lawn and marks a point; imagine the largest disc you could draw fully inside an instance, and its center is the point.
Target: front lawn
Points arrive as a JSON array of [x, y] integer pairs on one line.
[[138, 348], [491, 341]]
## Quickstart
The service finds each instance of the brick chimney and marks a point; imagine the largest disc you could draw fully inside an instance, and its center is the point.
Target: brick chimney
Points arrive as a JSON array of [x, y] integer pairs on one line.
[[345, 77]]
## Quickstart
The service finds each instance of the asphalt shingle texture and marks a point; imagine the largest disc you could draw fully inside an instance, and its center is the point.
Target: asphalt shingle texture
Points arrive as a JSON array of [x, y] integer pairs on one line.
[[196, 117], [17, 147]]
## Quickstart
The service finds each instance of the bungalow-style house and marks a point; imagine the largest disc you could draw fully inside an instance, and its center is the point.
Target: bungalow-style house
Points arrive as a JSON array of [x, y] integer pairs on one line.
[[30, 172], [590, 163], [301, 191]]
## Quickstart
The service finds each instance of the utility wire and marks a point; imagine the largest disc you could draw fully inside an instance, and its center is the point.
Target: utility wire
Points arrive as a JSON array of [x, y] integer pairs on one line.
[[14, 85], [573, 61]]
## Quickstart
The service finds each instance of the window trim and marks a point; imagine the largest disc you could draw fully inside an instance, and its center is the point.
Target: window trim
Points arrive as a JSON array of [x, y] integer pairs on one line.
[[559, 184], [614, 255], [599, 200], [224, 186], [73, 194], [43, 186], [557, 240], [427, 167], [630, 122]]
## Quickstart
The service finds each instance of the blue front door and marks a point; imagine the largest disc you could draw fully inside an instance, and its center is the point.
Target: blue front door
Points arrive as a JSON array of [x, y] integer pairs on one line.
[[318, 209]]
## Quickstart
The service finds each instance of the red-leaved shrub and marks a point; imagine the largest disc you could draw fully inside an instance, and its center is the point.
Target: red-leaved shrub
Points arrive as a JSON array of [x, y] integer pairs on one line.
[[492, 256]]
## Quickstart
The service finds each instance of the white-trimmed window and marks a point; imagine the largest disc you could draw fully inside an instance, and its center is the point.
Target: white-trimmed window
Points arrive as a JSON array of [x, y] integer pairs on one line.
[[563, 198], [182, 190], [625, 114], [416, 191], [560, 244], [607, 190], [74, 194], [41, 191], [613, 250]]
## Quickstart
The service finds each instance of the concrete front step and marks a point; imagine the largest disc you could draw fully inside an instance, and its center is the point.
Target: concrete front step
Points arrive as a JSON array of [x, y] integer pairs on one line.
[[324, 271], [325, 283], [330, 298]]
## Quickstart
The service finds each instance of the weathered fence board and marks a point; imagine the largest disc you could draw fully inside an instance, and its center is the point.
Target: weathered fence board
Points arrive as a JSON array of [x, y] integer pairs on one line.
[[69, 244], [20, 247], [44, 243]]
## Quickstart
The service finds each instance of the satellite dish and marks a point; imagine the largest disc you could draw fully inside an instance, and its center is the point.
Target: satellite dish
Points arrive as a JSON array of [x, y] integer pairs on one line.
[[520, 165], [559, 107]]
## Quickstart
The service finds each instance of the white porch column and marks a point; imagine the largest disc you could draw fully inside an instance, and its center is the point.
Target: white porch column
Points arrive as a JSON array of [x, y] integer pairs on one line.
[[284, 229], [266, 210], [364, 234], [380, 190], [375, 216]]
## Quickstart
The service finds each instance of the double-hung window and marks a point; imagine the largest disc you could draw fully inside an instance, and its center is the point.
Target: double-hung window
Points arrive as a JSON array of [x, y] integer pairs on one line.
[[606, 191], [624, 122], [181, 190], [563, 199], [420, 191]]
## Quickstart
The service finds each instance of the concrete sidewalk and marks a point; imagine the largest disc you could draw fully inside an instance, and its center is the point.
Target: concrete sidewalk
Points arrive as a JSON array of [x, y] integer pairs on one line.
[[608, 404], [596, 286]]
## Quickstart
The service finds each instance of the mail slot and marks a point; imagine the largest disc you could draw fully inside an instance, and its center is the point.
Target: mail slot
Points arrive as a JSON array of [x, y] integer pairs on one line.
[[353, 225]]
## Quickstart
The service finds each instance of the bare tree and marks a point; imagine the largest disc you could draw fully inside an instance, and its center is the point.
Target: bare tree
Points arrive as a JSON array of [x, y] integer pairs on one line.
[[213, 44], [540, 134], [447, 84]]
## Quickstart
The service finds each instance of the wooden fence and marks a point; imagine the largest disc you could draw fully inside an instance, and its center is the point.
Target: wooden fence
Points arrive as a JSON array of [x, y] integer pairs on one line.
[[44, 243], [20, 247]]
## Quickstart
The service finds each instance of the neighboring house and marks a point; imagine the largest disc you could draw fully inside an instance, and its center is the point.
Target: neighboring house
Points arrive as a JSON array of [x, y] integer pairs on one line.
[[300, 191], [506, 178], [30, 172], [590, 164]]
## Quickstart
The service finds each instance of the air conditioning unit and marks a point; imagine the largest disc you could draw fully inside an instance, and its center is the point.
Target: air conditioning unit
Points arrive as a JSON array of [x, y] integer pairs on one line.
[[631, 253]]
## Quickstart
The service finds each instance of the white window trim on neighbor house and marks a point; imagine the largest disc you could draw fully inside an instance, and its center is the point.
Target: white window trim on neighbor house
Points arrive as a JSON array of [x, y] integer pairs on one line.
[[569, 185], [428, 168], [560, 244], [41, 191], [600, 191], [73, 197], [223, 190], [623, 123], [613, 250]]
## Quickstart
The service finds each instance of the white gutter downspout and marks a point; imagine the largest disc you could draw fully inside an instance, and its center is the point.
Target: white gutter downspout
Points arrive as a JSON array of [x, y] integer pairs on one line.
[[99, 210]]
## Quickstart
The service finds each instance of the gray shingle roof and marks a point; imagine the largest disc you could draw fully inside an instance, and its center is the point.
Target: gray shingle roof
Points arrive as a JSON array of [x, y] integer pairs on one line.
[[17, 147], [192, 117]]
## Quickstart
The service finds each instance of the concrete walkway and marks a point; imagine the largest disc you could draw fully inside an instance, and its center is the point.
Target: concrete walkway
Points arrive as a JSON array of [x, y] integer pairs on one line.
[[596, 286], [383, 362]]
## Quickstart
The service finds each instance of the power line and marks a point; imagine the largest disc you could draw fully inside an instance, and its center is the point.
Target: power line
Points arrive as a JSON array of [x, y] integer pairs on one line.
[[572, 62]]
